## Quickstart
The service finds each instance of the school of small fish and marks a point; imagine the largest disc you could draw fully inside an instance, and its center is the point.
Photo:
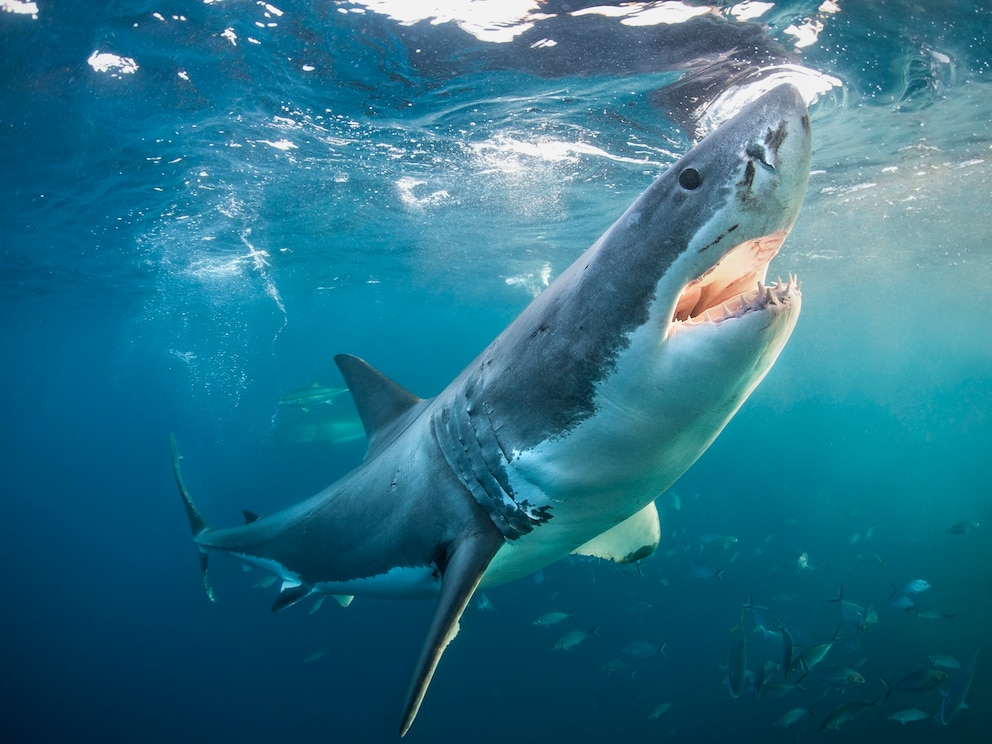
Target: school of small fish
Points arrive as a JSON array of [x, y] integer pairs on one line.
[[831, 677]]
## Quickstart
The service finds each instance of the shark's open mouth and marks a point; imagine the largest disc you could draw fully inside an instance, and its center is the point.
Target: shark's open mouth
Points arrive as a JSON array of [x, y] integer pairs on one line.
[[735, 286]]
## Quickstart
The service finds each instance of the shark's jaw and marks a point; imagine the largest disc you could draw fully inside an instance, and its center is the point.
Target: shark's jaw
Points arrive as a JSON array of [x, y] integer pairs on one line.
[[764, 161], [735, 287]]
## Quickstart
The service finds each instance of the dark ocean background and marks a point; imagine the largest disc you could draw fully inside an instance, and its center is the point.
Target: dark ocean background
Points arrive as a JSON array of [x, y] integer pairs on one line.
[[203, 202]]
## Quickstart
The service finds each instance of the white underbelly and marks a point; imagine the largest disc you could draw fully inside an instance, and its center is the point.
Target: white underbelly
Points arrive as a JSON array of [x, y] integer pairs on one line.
[[653, 419]]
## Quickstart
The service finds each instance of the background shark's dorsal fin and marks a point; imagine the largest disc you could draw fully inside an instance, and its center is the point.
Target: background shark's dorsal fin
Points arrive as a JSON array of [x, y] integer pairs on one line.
[[250, 516], [379, 400]]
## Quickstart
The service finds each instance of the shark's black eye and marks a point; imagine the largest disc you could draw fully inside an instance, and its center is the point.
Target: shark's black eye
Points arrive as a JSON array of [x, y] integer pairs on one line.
[[690, 179]]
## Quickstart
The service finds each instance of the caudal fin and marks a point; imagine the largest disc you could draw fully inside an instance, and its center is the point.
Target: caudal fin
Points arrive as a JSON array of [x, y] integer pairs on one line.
[[889, 687], [197, 523]]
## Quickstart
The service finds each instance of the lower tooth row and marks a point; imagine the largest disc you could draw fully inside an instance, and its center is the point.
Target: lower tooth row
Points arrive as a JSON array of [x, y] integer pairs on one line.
[[766, 293]]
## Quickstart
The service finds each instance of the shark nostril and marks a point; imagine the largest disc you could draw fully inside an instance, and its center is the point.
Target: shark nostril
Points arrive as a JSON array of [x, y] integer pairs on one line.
[[758, 152]]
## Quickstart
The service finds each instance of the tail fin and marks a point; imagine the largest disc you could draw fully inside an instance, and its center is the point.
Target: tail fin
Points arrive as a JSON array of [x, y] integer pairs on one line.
[[888, 688], [197, 523]]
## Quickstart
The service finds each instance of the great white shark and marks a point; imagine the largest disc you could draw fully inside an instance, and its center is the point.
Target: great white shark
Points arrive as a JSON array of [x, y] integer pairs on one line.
[[559, 436]]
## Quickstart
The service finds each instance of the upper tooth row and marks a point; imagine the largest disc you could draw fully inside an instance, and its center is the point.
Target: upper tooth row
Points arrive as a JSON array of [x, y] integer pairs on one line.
[[770, 296], [778, 283]]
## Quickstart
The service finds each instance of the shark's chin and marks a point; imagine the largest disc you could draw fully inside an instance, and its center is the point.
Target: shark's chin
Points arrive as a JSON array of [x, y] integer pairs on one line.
[[735, 286]]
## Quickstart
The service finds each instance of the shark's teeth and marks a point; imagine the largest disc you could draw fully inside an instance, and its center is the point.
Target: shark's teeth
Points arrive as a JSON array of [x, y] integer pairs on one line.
[[778, 295]]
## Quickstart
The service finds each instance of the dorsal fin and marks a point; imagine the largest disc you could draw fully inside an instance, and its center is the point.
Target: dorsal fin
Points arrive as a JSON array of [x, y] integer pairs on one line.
[[379, 400], [250, 516]]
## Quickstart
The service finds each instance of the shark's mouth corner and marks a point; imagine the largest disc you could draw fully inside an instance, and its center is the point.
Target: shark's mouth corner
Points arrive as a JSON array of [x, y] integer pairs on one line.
[[736, 285]]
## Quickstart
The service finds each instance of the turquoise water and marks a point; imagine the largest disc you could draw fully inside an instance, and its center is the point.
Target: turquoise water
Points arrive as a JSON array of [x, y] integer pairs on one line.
[[195, 225]]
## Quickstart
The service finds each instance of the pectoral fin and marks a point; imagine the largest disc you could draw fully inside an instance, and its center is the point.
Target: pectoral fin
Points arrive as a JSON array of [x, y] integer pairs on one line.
[[467, 563], [634, 538]]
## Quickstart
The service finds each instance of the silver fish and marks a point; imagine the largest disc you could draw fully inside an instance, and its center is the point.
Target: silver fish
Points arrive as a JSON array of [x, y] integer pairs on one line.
[[645, 649], [916, 586], [844, 713], [573, 638], [908, 715], [792, 717], [704, 571], [918, 681], [902, 602], [552, 618], [944, 661], [837, 676], [717, 542], [616, 666], [814, 654]]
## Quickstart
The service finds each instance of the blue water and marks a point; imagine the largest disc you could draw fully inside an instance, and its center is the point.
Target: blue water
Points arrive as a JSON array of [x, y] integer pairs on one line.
[[186, 241]]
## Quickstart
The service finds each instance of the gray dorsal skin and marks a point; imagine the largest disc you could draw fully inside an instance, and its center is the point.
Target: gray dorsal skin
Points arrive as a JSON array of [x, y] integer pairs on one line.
[[558, 437]]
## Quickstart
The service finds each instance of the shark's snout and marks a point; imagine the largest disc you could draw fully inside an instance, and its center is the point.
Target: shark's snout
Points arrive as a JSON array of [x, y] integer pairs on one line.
[[768, 146]]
